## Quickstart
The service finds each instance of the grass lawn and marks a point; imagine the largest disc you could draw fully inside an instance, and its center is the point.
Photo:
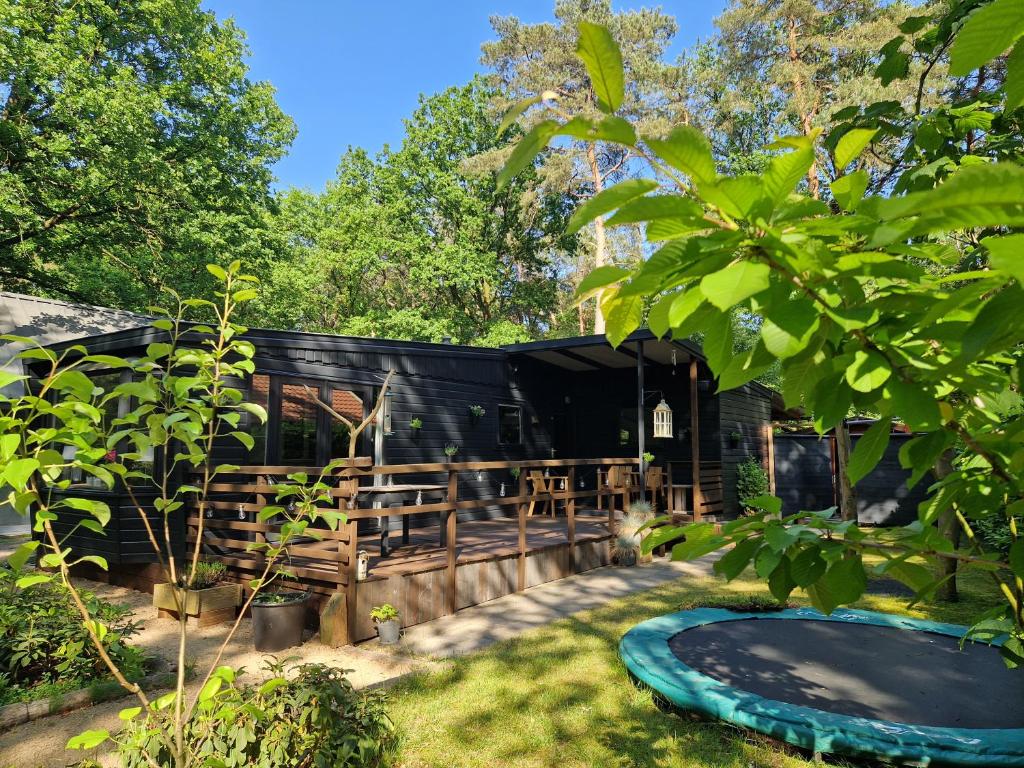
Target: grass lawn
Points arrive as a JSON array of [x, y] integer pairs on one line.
[[559, 696]]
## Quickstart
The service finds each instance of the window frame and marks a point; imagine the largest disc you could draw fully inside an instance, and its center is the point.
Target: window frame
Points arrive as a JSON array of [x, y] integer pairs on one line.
[[519, 410]]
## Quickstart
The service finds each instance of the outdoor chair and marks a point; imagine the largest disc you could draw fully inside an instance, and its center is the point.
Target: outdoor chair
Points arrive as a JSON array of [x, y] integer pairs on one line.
[[541, 490], [654, 483]]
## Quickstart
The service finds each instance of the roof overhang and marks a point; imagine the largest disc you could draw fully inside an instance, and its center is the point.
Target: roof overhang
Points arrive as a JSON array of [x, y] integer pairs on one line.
[[594, 353]]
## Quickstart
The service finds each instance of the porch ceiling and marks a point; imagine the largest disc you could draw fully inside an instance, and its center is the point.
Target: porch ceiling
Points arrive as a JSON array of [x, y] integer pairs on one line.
[[594, 353]]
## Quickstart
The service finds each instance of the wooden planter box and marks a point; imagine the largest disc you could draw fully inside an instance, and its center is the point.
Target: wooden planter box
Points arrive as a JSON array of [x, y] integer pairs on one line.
[[205, 607]]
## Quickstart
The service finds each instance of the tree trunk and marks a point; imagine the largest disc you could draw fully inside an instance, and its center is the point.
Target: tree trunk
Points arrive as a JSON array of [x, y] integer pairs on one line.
[[806, 114], [600, 251], [950, 528], [847, 498]]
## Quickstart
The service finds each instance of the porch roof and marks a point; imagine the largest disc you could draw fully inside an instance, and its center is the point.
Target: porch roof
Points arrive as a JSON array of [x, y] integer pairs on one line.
[[592, 353]]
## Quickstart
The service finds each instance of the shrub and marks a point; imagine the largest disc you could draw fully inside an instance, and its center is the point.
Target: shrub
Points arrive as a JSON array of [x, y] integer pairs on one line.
[[751, 480], [208, 574], [315, 720], [752, 603], [44, 647], [640, 509], [994, 532]]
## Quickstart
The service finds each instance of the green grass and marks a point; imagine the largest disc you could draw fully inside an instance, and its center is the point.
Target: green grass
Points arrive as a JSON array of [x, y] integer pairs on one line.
[[559, 696]]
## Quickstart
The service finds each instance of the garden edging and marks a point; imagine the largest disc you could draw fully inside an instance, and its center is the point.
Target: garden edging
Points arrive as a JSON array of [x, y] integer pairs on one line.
[[24, 712]]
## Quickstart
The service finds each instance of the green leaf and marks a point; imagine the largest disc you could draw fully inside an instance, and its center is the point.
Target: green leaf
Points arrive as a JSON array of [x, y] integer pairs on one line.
[[609, 200], [217, 271], [212, 687], [622, 315], [786, 171], [1014, 83], [129, 713], [1017, 558], [868, 372], [657, 316], [735, 561], [659, 207], [846, 580], [738, 281], [780, 582], [916, 407], [18, 471], [21, 555], [915, 576], [988, 31], [718, 341], [526, 150], [851, 144], [88, 739], [849, 190], [770, 504], [987, 195], [1007, 253], [610, 128], [600, 54], [599, 279], [787, 329], [736, 196], [75, 382], [686, 149], [807, 567], [512, 113], [869, 449], [97, 509], [27, 581]]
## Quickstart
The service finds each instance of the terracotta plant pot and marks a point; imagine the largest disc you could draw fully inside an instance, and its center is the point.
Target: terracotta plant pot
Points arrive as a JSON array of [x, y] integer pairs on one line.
[[204, 607], [389, 632], [276, 626]]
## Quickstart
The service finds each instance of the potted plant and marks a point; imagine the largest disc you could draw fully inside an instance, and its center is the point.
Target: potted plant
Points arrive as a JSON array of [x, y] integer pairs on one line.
[[516, 472], [415, 423], [450, 449], [388, 622], [209, 600], [648, 458], [476, 412], [278, 619], [734, 439]]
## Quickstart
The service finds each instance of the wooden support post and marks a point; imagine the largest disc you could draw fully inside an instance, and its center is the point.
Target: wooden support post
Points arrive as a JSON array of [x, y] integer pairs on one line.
[[351, 583], [570, 518], [521, 560], [770, 456], [698, 497], [611, 504], [453, 496]]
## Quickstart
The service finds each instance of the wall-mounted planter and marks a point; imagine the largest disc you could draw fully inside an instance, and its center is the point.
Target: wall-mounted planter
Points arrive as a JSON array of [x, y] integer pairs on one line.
[[204, 607]]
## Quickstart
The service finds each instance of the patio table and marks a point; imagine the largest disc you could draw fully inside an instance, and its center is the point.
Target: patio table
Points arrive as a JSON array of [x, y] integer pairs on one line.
[[397, 495]]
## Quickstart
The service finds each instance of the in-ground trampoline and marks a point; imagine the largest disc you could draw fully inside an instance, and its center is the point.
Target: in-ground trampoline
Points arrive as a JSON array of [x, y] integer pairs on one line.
[[855, 683]]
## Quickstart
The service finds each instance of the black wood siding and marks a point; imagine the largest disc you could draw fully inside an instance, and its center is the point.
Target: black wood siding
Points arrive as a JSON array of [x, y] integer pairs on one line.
[[804, 480], [746, 411]]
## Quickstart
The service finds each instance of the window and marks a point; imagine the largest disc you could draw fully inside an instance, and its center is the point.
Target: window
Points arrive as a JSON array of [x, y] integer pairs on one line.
[[259, 393], [299, 416], [510, 424], [349, 405]]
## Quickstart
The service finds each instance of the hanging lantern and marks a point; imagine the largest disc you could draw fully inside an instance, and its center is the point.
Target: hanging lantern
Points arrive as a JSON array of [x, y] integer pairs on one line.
[[662, 420]]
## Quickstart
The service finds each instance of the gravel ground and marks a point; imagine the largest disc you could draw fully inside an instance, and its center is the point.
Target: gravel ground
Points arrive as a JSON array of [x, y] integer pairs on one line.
[[40, 743]]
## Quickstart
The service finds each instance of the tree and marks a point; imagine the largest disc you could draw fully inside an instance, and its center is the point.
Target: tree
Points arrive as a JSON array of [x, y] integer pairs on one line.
[[419, 243], [856, 318], [792, 65], [540, 59], [133, 150]]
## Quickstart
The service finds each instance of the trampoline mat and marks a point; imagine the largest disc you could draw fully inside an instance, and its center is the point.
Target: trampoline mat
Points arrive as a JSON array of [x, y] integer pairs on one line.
[[904, 676]]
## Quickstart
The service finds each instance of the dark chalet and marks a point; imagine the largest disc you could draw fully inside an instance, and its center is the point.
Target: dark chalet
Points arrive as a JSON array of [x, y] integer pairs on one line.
[[487, 472]]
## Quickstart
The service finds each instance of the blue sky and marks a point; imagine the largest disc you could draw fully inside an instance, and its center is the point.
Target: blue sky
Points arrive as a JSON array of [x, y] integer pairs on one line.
[[348, 71]]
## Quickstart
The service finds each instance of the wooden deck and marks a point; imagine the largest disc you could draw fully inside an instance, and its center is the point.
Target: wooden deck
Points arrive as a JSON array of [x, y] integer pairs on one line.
[[468, 556], [478, 540]]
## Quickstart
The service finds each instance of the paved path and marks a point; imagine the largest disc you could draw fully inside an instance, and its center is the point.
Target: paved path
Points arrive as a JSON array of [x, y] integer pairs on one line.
[[40, 743], [478, 626]]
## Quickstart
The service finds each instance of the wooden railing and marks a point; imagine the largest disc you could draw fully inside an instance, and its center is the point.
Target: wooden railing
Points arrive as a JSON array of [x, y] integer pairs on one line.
[[330, 565]]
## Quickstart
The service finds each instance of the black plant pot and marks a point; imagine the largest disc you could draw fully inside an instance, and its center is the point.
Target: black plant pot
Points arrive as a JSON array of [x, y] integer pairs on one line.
[[276, 626]]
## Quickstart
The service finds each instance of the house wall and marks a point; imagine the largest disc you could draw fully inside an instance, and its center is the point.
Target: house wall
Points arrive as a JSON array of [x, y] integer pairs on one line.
[[804, 480], [747, 411]]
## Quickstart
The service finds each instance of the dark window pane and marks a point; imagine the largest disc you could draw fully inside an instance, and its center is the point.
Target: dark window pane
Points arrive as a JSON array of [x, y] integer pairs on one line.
[[349, 405], [298, 427], [510, 425]]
